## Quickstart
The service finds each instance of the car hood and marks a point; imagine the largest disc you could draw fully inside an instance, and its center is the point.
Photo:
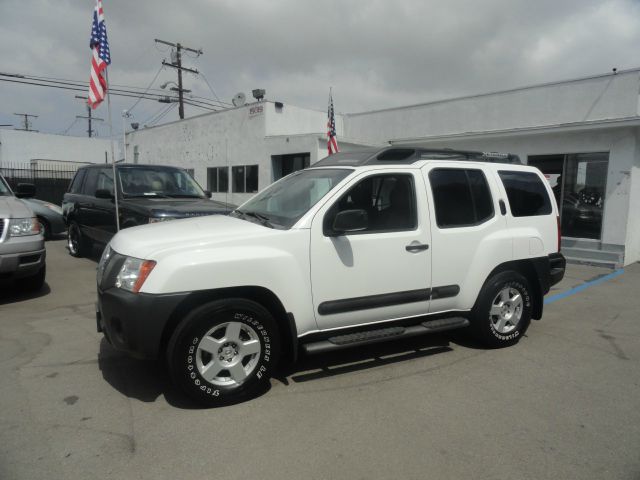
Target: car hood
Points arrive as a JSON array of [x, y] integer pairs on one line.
[[11, 207], [177, 206], [156, 240]]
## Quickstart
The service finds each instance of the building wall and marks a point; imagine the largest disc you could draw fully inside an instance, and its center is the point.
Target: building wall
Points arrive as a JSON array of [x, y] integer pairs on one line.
[[247, 135], [591, 99], [632, 251], [621, 143], [19, 147]]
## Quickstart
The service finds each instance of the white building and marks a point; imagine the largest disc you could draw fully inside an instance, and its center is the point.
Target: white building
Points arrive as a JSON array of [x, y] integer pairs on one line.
[[584, 134], [22, 148]]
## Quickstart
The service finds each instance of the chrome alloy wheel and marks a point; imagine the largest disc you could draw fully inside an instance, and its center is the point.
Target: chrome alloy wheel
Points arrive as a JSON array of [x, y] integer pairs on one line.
[[506, 310], [73, 239], [228, 353]]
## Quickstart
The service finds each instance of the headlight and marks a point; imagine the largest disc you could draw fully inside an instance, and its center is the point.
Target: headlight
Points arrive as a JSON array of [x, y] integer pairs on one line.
[[53, 207], [160, 219], [106, 255], [19, 227], [133, 273]]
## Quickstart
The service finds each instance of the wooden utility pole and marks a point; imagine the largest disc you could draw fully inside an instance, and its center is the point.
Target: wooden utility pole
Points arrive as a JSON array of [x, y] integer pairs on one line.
[[26, 123], [177, 64], [89, 117]]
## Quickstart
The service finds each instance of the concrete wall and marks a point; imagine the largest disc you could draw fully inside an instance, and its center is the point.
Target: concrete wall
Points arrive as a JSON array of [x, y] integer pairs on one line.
[[247, 135], [621, 143], [19, 147], [597, 98], [632, 251]]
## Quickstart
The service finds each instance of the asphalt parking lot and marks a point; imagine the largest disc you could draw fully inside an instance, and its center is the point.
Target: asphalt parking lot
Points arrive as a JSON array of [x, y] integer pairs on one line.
[[563, 403]]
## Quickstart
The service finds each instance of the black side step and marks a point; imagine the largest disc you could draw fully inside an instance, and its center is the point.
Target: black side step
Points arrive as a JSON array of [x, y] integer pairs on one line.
[[367, 337]]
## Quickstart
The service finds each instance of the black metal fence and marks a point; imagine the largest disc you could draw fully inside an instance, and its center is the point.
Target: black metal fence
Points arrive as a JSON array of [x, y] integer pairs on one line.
[[51, 180]]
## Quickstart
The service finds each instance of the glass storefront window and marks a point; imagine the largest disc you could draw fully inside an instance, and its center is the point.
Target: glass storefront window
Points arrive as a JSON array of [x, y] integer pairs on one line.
[[583, 194], [579, 184]]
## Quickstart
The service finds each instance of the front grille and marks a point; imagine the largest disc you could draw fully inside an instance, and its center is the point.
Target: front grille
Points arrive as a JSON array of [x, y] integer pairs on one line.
[[29, 259]]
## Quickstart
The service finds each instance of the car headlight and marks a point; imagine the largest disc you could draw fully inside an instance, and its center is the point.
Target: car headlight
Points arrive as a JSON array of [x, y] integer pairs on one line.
[[104, 259], [19, 227], [133, 273]]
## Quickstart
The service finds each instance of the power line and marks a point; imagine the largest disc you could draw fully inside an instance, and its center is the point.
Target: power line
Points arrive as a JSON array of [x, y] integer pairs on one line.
[[117, 92], [147, 89]]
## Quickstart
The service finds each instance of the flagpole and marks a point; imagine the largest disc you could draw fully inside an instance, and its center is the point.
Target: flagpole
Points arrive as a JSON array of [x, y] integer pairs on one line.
[[113, 160]]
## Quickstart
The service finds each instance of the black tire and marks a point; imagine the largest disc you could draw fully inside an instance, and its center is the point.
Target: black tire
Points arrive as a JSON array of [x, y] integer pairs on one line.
[[35, 282], [45, 228], [497, 323], [187, 358], [77, 244]]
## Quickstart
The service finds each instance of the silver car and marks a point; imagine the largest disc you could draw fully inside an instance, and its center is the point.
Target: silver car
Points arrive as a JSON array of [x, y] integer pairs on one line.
[[22, 252]]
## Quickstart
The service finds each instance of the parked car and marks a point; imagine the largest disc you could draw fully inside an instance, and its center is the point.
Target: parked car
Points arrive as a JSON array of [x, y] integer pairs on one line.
[[146, 194], [22, 252], [361, 248], [49, 216]]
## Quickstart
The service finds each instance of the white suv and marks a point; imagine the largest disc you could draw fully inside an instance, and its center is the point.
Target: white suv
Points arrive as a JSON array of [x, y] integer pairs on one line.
[[364, 247]]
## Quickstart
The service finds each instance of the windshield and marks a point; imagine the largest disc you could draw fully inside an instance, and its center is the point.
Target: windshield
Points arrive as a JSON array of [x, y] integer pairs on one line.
[[4, 188], [282, 204], [155, 181]]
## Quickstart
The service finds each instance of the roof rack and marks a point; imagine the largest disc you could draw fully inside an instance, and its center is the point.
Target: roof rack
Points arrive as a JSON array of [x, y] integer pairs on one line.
[[407, 155]]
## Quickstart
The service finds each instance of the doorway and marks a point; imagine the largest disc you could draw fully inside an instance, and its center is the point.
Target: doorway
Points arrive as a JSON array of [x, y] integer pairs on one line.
[[579, 184], [283, 165]]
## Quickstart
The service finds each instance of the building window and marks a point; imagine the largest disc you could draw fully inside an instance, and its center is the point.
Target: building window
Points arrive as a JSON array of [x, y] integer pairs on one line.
[[461, 196], [190, 171], [136, 154], [218, 179], [245, 178], [283, 165]]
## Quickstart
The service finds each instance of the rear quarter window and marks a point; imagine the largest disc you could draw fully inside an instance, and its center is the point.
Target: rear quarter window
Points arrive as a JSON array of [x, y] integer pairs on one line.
[[526, 193], [76, 183]]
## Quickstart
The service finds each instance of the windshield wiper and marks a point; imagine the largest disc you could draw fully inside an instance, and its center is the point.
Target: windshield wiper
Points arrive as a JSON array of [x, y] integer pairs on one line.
[[264, 220]]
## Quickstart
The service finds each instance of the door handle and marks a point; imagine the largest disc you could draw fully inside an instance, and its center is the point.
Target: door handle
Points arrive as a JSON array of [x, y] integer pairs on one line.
[[416, 247]]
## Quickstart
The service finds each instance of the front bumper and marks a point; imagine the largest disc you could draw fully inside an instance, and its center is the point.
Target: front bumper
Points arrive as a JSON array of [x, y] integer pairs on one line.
[[22, 257], [134, 322]]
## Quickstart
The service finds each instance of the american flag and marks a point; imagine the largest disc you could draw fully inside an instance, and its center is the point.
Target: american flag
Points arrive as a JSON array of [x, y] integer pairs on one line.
[[332, 142], [101, 57]]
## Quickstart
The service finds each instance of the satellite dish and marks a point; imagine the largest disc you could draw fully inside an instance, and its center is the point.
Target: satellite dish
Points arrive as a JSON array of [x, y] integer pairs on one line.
[[239, 99]]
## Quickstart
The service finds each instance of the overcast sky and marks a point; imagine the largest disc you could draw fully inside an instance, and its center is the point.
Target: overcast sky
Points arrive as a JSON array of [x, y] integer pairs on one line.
[[375, 54]]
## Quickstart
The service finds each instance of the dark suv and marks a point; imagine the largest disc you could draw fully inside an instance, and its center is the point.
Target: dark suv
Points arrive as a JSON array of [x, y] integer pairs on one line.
[[146, 194]]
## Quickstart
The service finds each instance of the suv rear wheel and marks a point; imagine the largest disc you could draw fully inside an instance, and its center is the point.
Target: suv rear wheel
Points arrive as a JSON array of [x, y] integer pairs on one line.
[[224, 352], [502, 312]]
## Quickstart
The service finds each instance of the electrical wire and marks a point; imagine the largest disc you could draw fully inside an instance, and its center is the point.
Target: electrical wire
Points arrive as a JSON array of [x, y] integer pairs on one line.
[[147, 89], [69, 127], [210, 87], [171, 107]]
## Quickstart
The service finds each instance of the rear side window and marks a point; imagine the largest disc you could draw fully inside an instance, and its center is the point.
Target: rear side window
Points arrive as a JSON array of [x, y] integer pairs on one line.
[[462, 197], [526, 193], [89, 187], [76, 183]]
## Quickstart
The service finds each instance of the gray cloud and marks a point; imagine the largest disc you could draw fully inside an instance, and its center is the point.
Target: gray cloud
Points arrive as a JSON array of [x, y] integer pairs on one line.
[[375, 53]]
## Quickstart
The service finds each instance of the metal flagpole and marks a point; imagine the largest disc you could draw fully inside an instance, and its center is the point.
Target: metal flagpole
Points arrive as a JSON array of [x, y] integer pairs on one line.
[[113, 160]]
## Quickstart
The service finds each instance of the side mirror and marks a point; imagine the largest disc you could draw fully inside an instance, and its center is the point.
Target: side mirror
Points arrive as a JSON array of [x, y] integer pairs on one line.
[[25, 190], [104, 193], [349, 221], [207, 193]]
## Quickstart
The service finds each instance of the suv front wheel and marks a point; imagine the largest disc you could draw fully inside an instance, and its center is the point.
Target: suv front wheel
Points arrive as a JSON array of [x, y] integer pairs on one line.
[[224, 351], [502, 312], [78, 244]]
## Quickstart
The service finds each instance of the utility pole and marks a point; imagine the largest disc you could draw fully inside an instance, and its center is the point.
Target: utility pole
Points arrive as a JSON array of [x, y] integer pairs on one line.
[[26, 123], [89, 118], [177, 64]]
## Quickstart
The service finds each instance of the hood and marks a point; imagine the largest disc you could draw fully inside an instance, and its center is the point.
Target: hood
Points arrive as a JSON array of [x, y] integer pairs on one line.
[[177, 207], [155, 240], [12, 207]]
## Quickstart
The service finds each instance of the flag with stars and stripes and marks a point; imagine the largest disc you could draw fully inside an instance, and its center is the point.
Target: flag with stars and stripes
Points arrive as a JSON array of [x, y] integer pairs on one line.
[[100, 59], [332, 141]]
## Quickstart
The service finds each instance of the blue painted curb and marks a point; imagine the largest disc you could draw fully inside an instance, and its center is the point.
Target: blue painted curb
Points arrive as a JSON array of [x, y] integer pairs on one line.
[[584, 286]]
